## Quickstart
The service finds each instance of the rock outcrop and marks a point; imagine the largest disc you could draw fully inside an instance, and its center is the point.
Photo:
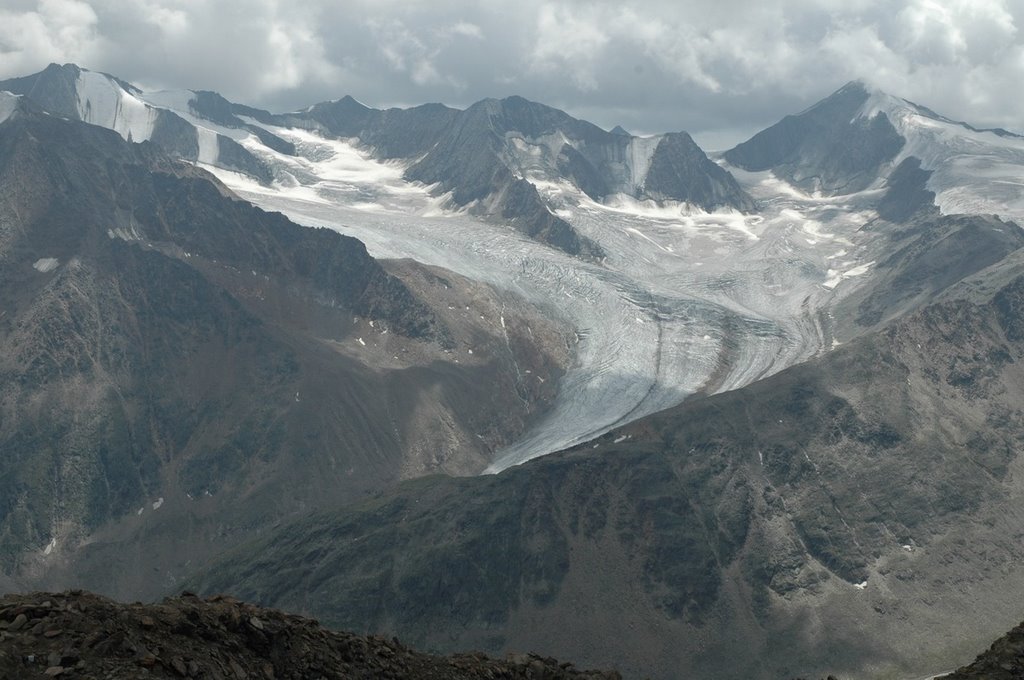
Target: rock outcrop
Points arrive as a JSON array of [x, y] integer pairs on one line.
[[79, 635]]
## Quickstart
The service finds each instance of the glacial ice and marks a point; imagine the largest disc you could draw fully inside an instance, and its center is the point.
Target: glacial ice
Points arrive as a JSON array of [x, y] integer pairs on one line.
[[724, 298]]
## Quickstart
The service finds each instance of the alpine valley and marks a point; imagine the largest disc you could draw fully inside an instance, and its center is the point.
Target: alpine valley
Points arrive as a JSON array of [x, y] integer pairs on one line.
[[499, 379]]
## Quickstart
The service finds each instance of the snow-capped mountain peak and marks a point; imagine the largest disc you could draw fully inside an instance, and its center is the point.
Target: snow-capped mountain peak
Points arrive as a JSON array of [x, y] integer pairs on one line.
[[973, 170]]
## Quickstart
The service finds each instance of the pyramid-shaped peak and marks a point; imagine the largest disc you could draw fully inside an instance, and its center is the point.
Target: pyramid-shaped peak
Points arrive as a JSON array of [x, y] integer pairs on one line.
[[349, 100]]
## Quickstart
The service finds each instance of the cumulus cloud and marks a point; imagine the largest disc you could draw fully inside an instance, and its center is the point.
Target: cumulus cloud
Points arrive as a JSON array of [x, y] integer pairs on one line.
[[51, 30], [719, 68]]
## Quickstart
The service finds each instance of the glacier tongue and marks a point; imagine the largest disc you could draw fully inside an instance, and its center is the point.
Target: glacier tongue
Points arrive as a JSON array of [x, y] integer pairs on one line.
[[686, 301]]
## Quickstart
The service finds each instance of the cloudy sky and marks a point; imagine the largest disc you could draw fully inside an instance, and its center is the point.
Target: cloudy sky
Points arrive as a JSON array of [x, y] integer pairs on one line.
[[720, 69]]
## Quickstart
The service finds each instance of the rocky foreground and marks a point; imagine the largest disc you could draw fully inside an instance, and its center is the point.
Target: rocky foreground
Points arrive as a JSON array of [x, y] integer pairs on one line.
[[1004, 660], [80, 635]]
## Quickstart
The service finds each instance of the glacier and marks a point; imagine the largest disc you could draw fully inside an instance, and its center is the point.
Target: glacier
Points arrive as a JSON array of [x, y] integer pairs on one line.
[[686, 301]]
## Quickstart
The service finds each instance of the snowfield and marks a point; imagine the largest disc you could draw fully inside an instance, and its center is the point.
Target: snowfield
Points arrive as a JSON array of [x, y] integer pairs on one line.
[[973, 171]]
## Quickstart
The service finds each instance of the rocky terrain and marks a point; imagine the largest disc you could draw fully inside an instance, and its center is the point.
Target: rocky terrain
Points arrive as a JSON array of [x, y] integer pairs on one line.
[[878, 483], [180, 365], [1003, 660], [79, 635], [755, 416]]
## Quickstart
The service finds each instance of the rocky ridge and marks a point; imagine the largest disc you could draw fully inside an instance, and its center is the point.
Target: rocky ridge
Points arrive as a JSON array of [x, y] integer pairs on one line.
[[80, 635]]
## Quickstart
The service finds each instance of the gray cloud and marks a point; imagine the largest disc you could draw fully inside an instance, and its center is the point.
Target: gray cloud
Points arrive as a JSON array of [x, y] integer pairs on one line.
[[720, 69]]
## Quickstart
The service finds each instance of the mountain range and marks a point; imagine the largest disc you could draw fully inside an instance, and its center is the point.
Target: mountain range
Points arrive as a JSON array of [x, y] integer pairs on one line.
[[754, 413]]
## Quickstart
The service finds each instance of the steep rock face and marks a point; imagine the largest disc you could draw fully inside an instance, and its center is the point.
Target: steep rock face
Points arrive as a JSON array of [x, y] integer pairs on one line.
[[681, 171], [467, 160], [169, 349], [828, 147], [840, 485]]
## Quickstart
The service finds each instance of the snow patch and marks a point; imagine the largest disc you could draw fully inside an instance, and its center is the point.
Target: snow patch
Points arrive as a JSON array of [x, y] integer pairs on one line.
[[861, 586], [8, 104], [157, 503], [102, 101], [128, 235], [46, 264], [836, 277], [50, 546], [641, 153], [208, 147]]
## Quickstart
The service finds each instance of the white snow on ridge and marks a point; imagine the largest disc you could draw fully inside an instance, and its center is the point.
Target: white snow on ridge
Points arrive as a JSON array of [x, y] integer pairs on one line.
[[102, 101], [8, 104], [972, 171], [175, 100]]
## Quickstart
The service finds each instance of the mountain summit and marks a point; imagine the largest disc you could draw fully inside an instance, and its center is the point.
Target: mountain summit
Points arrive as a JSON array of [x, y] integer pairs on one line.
[[830, 147], [857, 138]]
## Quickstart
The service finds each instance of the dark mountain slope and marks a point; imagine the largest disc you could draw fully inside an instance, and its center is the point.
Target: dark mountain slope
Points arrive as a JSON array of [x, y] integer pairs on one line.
[[812, 522], [180, 368], [393, 133], [921, 251]]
